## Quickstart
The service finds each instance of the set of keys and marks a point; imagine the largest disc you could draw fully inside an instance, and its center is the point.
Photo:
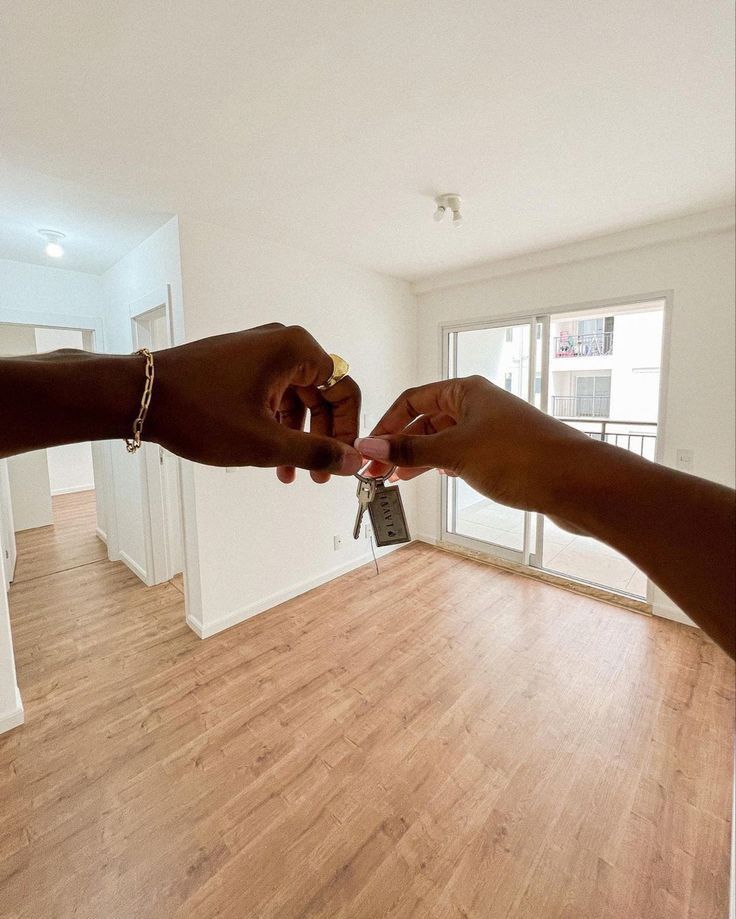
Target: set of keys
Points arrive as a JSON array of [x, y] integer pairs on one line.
[[385, 508]]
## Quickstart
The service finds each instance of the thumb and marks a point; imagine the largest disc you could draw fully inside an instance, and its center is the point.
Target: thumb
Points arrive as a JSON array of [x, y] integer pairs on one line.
[[288, 447], [427, 450]]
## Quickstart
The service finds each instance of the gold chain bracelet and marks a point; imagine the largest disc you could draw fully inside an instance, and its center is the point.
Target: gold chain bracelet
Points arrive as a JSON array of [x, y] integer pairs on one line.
[[133, 443]]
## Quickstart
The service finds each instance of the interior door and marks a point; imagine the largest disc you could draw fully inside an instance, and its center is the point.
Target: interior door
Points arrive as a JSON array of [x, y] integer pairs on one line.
[[503, 354], [162, 474]]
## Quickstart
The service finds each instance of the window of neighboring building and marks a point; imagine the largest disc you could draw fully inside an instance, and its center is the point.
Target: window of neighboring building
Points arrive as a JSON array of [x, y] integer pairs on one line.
[[509, 334], [508, 382], [593, 394]]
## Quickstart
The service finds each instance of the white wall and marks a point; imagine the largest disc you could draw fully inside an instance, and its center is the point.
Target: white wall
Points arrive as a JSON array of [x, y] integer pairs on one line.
[[11, 708], [259, 541], [28, 473], [146, 270], [30, 291], [70, 468], [699, 270], [30, 490]]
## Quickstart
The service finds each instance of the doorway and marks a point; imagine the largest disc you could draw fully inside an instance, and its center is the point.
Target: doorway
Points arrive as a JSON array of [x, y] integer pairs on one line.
[[595, 368], [53, 487]]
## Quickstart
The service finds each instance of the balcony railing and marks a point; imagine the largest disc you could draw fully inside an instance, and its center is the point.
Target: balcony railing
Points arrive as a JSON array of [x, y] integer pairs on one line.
[[638, 437], [581, 406], [590, 344]]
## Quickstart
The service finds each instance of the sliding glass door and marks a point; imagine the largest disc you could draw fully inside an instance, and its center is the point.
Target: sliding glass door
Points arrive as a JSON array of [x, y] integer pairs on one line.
[[596, 369], [504, 355]]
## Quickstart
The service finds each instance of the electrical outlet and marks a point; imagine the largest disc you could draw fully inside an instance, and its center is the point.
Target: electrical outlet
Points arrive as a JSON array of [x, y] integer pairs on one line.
[[337, 542], [231, 469], [685, 460]]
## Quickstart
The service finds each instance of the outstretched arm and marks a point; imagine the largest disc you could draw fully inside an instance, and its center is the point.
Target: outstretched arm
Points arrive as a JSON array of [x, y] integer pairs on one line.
[[232, 400], [679, 529]]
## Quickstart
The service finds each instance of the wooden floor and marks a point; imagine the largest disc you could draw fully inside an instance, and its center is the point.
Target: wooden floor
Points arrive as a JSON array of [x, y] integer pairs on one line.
[[442, 740], [69, 543]]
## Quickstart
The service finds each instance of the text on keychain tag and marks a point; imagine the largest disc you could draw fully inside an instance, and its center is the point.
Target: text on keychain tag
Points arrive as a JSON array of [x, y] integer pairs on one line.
[[387, 516]]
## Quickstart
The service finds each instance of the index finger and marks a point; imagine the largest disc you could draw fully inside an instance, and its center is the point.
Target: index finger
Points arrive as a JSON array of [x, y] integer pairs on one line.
[[440, 398]]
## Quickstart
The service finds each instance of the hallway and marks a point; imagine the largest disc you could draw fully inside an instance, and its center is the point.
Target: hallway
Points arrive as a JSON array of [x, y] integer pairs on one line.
[[70, 543]]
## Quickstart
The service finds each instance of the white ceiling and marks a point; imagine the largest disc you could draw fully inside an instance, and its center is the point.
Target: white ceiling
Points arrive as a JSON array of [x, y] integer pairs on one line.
[[331, 125], [100, 228]]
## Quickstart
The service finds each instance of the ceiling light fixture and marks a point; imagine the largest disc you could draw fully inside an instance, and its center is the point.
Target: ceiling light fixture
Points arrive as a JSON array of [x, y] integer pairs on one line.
[[451, 203], [53, 242]]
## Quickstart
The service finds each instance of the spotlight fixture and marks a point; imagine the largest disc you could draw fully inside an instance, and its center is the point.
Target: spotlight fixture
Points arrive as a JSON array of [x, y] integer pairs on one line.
[[53, 245], [450, 202]]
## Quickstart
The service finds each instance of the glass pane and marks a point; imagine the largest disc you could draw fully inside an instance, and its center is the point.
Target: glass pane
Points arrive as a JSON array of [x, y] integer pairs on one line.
[[587, 559], [613, 399], [500, 355], [494, 354], [584, 386]]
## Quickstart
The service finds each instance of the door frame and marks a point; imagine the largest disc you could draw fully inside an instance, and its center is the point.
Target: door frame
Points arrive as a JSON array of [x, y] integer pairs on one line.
[[159, 564], [520, 556], [92, 329], [543, 314], [7, 528]]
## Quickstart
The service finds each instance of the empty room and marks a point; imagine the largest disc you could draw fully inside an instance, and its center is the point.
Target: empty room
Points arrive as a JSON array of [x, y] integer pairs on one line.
[[367, 460]]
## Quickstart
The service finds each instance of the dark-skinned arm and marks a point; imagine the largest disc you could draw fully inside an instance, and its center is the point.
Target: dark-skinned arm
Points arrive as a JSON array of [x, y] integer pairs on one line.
[[678, 528], [232, 400]]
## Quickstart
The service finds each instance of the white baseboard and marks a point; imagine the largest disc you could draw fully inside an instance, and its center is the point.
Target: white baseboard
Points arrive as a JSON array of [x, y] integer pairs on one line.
[[281, 596], [73, 490], [424, 537], [101, 535], [13, 718], [664, 610], [134, 567], [196, 626]]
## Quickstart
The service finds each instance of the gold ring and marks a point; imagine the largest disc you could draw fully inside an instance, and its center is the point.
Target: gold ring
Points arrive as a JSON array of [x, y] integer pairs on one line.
[[340, 369]]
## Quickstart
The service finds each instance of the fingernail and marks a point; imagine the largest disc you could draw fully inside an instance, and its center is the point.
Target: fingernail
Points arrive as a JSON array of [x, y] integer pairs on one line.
[[373, 447], [350, 463]]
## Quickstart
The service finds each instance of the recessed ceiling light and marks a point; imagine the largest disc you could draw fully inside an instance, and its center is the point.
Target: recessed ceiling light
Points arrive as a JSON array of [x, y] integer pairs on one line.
[[53, 242]]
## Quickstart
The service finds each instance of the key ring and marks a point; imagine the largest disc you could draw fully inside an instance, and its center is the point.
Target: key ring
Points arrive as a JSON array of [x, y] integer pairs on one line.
[[378, 479]]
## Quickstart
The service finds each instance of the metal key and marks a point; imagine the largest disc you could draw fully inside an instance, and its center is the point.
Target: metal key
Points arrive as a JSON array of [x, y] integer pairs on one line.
[[366, 493]]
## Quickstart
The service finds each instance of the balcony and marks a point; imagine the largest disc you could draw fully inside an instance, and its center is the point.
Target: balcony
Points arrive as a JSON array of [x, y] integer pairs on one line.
[[565, 407], [638, 437], [575, 556], [590, 344]]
